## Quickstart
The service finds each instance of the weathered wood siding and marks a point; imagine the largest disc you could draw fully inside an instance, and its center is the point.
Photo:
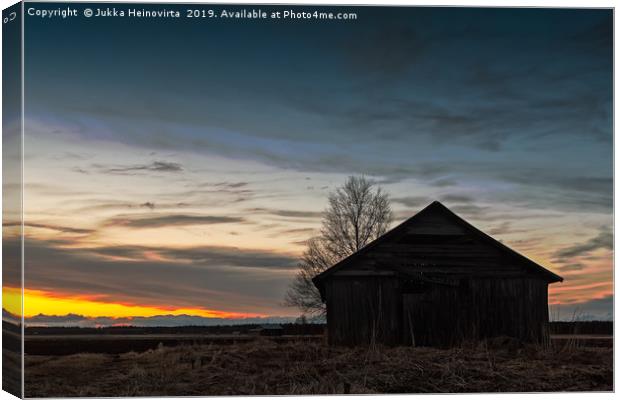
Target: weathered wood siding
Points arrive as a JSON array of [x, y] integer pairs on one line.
[[362, 310], [436, 244], [479, 308]]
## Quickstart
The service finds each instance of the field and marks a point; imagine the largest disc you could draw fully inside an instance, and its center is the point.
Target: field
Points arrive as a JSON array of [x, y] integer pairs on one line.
[[264, 366]]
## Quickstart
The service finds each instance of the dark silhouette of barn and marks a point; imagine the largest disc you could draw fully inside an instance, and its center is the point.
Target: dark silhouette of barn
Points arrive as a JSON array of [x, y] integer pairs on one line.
[[435, 280]]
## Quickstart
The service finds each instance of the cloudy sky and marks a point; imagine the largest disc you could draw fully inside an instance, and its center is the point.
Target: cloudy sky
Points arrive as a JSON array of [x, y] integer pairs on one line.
[[177, 166]]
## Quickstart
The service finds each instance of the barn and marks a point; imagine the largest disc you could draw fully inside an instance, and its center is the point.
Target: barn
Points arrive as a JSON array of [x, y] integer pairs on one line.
[[435, 280]]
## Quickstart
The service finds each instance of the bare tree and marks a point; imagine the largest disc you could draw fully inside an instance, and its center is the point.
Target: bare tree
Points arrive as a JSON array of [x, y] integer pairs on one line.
[[357, 213]]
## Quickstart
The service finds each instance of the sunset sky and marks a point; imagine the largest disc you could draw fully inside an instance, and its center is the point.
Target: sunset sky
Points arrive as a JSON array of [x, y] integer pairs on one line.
[[178, 166]]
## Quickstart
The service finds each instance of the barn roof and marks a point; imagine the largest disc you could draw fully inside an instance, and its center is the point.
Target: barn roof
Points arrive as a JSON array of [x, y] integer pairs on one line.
[[438, 208]]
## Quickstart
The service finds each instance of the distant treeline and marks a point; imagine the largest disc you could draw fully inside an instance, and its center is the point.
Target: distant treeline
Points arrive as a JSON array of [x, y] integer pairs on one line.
[[559, 327], [582, 327], [287, 329]]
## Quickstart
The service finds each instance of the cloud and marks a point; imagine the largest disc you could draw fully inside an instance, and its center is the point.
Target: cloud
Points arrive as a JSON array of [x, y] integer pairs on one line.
[[232, 256], [412, 201], [216, 193], [155, 166], [140, 221], [571, 267], [80, 170], [502, 229], [297, 231], [473, 211], [63, 229], [455, 198], [287, 213], [557, 179], [443, 182], [604, 240], [227, 279], [104, 205], [203, 256], [231, 185], [67, 155], [148, 204], [224, 185]]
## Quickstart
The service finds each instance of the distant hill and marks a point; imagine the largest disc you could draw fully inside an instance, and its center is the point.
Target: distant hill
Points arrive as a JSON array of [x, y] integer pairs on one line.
[[80, 321]]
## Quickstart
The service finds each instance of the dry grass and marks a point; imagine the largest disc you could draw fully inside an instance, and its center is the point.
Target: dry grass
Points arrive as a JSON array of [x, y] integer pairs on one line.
[[264, 367], [11, 372]]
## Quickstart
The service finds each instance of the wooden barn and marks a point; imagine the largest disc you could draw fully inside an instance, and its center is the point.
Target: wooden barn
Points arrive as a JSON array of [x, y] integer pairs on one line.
[[435, 280]]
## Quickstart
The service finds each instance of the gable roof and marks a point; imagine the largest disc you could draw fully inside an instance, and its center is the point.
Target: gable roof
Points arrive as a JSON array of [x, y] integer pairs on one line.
[[437, 207]]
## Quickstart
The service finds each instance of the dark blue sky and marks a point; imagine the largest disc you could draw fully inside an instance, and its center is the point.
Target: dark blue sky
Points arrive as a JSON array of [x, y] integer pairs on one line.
[[411, 84]]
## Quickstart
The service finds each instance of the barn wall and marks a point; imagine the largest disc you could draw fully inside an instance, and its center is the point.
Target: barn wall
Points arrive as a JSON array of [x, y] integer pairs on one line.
[[479, 308], [516, 307], [384, 309], [363, 310]]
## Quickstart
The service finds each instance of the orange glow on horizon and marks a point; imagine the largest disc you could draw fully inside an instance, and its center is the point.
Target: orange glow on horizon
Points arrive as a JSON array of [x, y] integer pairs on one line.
[[52, 303], [95, 305]]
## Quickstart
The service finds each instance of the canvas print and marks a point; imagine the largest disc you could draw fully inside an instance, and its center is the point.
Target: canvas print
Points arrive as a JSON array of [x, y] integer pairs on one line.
[[217, 199]]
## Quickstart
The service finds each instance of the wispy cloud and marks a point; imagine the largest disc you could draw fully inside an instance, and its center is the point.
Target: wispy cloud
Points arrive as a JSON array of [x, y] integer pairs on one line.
[[572, 267], [158, 221], [64, 229], [604, 240], [286, 213], [412, 201], [155, 166], [456, 198], [227, 185], [120, 205], [205, 256], [148, 204], [298, 231]]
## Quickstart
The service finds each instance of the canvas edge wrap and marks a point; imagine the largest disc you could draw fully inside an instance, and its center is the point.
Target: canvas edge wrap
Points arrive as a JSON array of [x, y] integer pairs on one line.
[[12, 200]]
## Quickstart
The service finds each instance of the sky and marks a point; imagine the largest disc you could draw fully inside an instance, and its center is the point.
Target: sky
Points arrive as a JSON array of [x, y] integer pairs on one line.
[[176, 166]]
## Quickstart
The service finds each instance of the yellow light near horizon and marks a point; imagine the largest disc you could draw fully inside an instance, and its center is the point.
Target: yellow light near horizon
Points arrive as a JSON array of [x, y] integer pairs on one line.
[[12, 300], [49, 303]]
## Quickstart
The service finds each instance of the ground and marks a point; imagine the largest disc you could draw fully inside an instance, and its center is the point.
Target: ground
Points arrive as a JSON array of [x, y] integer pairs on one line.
[[265, 367]]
